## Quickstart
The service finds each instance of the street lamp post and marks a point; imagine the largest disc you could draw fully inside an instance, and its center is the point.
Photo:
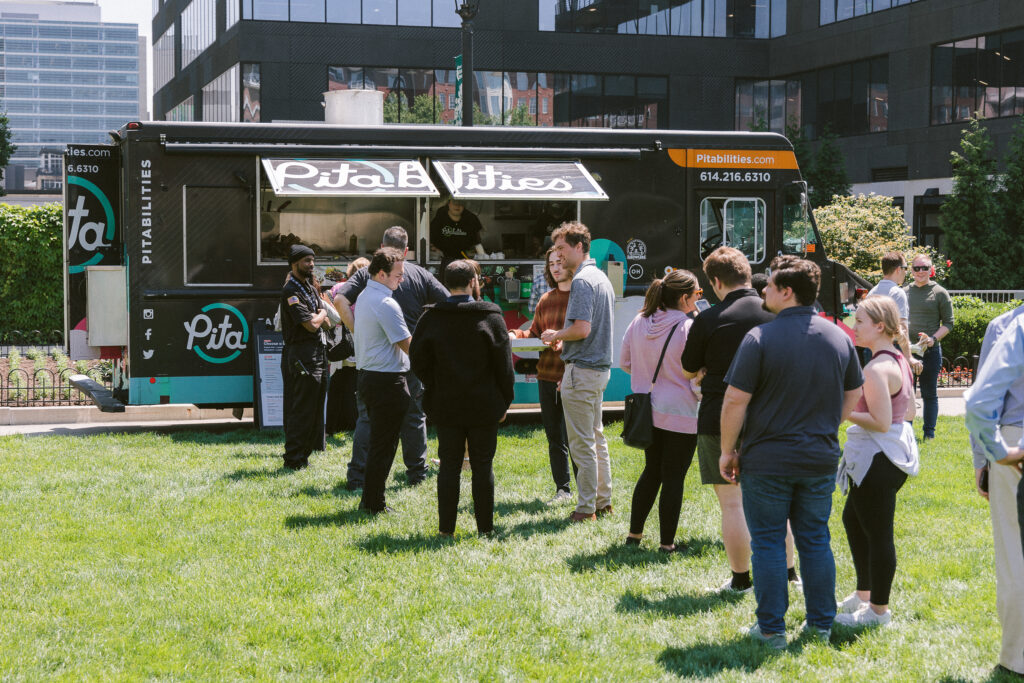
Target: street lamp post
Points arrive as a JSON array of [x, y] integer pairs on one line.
[[467, 10]]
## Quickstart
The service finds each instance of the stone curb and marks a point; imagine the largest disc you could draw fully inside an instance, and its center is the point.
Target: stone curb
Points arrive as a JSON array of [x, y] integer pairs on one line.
[[52, 415]]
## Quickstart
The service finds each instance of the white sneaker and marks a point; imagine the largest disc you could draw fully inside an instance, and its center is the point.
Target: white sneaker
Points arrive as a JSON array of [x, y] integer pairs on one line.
[[851, 604], [797, 584], [772, 640], [815, 632], [560, 498], [865, 616], [727, 586]]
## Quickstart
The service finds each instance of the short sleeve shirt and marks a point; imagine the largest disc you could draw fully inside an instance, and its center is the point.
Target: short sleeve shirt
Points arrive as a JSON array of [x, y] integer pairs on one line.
[[379, 325], [592, 299], [895, 292], [417, 289], [797, 369], [714, 337], [455, 237]]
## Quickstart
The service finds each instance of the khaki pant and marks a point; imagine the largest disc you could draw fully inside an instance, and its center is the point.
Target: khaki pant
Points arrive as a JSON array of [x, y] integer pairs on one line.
[[582, 392], [1002, 497]]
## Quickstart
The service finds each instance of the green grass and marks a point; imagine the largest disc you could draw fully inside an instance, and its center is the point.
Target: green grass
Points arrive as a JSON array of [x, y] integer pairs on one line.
[[194, 556]]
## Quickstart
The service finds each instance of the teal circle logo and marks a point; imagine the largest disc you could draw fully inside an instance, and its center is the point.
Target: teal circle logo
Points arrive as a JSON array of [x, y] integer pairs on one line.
[[84, 234], [216, 339]]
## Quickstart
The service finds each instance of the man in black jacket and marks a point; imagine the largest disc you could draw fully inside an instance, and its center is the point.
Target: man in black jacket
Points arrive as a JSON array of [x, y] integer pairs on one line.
[[460, 351]]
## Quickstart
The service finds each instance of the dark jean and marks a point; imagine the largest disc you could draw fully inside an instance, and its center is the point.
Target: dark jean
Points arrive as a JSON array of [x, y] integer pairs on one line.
[[453, 441], [413, 437], [387, 399], [554, 429], [768, 501], [928, 382]]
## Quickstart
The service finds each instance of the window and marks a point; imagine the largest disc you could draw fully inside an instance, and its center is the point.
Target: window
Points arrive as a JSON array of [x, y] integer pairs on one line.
[[250, 92], [983, 74], [198, 29], [221, 99], [231, 13], [831, 11], [269, 10], [719, 18], [738, 222], [798, 235], [163, 59], [307, 10]]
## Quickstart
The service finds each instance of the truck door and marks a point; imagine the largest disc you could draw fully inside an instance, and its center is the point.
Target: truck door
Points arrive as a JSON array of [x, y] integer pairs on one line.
[[735, 219]]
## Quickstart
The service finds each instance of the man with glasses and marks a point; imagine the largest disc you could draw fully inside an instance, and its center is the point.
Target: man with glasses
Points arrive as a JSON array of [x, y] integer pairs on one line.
[[931, 319], [382, 357], [894, 272]]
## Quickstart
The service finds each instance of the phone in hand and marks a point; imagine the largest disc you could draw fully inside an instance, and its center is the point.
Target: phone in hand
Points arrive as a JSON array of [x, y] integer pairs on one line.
[[703, 305]]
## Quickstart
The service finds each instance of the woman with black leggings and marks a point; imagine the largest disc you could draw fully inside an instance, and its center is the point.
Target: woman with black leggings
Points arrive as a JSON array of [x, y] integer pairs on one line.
[[652, 353], [880, 452]]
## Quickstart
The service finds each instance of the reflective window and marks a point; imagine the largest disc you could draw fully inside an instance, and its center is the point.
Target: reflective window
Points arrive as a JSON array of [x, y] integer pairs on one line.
[[250, 92], [231, 13], [719, 18], [831, 11], [797, 229], [269, 10], [163, 59], [307, 10], [444, 14], [414, 13], [344, 11], [379, 12], [738, 222], [183, 111], [221, 97], [198, 29], [983, 74]]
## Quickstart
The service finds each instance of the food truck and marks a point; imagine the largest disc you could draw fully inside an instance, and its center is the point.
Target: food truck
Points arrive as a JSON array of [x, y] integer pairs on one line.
[[177, 234]]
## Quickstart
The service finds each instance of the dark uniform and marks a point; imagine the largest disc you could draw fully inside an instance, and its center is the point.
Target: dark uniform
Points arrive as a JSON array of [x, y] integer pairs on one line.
[[304, 369]]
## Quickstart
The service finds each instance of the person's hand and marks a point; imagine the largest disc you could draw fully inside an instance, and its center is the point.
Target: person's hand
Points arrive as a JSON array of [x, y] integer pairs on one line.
[[916, 366], [548, 336], [558, 385], [557, 346], [700, 376], [923, 338], [512, 335], [1014, 458], [729, 466], [977, 482], [503, 417]]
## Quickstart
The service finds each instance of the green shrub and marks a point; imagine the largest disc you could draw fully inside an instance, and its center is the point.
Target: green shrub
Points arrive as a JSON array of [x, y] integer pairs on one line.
[[31, 281], [971, 317], [34, 354]]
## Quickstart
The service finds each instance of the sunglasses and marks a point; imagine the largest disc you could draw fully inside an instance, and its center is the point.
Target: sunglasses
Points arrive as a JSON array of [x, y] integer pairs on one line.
[[921, 269], [699, 291]]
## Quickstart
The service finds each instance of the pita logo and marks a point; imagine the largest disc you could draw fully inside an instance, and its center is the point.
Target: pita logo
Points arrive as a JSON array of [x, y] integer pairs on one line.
[[636, 250], [84, 234], [217, 342]]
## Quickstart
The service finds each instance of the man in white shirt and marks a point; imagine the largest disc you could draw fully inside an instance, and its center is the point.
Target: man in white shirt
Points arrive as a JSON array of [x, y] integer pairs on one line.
[[894, 272]]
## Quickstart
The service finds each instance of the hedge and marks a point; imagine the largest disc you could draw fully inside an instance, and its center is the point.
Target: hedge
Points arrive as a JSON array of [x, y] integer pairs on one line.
[[31, 281], [971, 316]]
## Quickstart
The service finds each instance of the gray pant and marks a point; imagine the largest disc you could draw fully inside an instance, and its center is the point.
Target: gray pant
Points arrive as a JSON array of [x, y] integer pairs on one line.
[[582, 393], [413, 437]]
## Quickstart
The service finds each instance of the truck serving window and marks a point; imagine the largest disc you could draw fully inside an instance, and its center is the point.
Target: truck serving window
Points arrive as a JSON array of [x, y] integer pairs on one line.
[[512, 229], [739, 222], [218, 236]]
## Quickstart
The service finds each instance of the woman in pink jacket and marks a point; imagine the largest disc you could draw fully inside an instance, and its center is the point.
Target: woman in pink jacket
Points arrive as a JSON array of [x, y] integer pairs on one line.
[[666, 310]]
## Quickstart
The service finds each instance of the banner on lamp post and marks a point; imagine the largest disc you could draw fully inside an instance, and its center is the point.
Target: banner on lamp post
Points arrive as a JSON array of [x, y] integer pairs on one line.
[[458, 90]]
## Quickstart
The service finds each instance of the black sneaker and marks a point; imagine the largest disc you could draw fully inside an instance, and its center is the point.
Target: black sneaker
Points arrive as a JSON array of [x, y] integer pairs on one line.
[[354, 486]]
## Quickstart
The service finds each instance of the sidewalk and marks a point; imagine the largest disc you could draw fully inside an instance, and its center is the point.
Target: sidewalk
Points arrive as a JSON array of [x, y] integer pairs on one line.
[[81, 420]]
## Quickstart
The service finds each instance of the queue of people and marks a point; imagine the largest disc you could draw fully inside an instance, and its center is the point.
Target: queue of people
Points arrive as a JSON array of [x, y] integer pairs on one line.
[[719, 382]]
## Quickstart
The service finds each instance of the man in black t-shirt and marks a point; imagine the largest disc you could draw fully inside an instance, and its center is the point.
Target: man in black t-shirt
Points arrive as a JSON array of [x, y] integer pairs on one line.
[[710, 346], [303, 361], [455, 232]]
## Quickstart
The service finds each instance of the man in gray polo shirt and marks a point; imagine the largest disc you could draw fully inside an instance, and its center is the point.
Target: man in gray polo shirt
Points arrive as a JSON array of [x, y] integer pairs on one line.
[[587, 351], [382, 358]]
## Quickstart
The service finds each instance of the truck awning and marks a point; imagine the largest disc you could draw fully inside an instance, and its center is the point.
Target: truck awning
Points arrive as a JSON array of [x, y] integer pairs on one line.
[[348, 177], [551, 180]]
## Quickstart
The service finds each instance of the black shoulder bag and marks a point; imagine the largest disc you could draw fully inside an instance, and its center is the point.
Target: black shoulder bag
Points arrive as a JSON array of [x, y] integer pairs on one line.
[[638, 422]]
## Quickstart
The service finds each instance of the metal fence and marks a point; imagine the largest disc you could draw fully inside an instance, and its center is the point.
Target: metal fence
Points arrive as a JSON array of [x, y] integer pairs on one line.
[[958, 372], [45, 341], [990, 295], [46, 387]]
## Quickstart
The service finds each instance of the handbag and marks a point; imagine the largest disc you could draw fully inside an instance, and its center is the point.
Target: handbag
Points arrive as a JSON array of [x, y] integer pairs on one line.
[[342, 346], [638, 421]]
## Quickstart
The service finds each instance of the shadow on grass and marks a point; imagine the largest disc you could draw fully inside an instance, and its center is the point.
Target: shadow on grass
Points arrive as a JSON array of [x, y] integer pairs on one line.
[[678, 605], [997, 675], [505, 508], [258, 473], [622, 556], [705, 660], [337, 518], [384, 544], [337, 491], [242, 435]]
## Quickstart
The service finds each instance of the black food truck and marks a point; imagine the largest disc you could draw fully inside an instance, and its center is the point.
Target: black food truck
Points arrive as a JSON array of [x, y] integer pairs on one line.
[[177, 234]]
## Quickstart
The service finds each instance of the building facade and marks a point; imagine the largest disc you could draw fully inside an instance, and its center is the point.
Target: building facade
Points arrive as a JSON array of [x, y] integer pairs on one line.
[[66, 77], [893, 79]]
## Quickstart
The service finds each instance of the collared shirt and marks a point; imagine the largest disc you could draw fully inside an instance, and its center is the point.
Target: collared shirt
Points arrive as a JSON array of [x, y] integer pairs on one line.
[[895, 292], [379, 325], [797, 369], [997, 396], [417, 289], [459, 299], [540, 286], [591, 298]]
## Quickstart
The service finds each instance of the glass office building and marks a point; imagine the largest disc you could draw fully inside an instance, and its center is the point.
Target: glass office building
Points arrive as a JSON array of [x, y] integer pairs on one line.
[[66, 77]]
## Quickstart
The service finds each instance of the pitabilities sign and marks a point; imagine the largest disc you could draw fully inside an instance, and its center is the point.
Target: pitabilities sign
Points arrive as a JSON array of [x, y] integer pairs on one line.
[[552, 180], [348, 177]]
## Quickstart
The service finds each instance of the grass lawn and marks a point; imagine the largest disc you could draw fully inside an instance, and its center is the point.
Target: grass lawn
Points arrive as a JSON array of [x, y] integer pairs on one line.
[[194, 556]]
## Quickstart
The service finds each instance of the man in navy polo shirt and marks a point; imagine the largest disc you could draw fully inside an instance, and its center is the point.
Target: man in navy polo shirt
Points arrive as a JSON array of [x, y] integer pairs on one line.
[[791, 384]]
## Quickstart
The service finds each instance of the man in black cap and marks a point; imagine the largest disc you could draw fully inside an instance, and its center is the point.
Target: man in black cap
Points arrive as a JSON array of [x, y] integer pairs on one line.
[[304, 361]]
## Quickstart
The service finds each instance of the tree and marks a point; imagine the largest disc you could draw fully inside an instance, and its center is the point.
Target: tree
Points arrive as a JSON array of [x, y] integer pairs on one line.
[[970, 219], [858, 230], [1011, 209], [520, 116], [7, 148], [827, 175]]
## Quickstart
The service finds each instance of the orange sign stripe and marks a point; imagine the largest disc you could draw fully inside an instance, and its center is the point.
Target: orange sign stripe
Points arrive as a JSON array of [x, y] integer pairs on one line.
[[733, 158]]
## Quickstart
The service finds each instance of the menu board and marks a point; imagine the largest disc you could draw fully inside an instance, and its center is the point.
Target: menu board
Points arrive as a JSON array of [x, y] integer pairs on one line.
[[268, 386]]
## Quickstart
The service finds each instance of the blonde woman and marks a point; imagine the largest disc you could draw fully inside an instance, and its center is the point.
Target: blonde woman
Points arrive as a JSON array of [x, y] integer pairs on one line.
[[880, 453]]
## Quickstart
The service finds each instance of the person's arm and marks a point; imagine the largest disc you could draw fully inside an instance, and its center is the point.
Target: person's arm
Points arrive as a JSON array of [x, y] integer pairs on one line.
[[421, 357], [945, 316], [579, 329], [625, 360], [345, 312], [992, 332], [734, 412], [853, 380], [501, 360], [580, 311], [301, 315], [404, 344], [984, 400], [693, 352], [878, 417]]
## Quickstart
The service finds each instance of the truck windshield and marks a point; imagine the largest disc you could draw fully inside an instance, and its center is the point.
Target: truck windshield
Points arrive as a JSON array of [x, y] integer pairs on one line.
[[738, 222]]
